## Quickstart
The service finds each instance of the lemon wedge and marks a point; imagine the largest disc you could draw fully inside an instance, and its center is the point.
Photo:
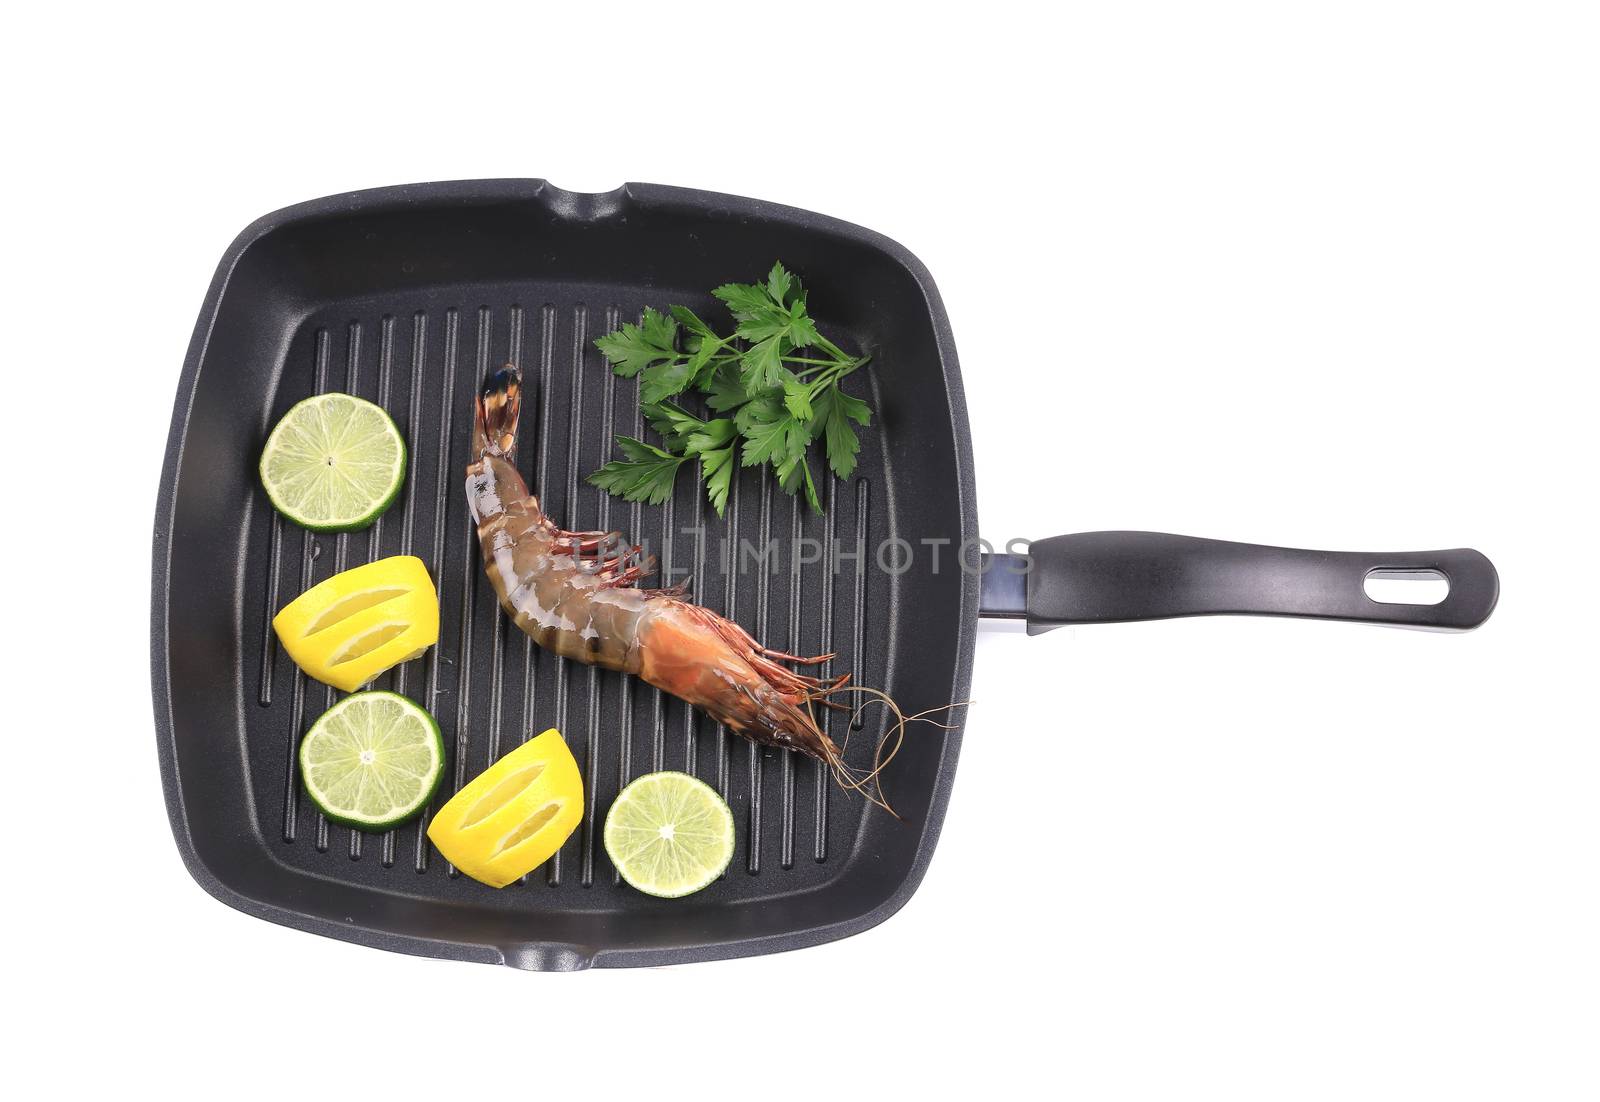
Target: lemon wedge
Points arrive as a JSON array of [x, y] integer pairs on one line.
[[349, 629], [511, 817]]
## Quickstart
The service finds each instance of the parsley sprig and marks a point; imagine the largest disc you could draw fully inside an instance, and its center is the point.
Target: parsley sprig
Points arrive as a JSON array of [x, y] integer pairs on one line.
[[772, 386]]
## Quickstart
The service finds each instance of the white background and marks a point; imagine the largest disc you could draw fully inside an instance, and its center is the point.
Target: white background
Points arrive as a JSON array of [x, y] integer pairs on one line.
[[1325, 278]]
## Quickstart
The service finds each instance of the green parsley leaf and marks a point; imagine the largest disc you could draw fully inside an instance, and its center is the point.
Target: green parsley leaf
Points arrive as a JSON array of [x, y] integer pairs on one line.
[[760, 365], [646, 475], [744, 300], [797, 397], [773, 438], [691, 321], [764, 325], [802, 331], [775, 310], [635, 347], [794, 473], [725, 389], [834, 411], [767, 406], [662, 381], [701, 366], [716, 471], [659, 329], [779, 282], [710, 436], [672, 422]]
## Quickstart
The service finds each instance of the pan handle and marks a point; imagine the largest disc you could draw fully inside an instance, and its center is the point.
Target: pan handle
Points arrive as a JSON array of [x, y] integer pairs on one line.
[[1107, 577]]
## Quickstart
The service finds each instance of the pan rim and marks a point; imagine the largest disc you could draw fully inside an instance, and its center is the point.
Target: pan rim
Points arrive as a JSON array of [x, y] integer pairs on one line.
[[532, 954]]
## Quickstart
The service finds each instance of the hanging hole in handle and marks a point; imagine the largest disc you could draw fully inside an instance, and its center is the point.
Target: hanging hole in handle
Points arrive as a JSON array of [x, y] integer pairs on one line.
[[1390, 586]]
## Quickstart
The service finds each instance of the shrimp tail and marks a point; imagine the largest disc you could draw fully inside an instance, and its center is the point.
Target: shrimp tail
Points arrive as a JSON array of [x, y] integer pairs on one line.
[[494, 429], [769, 703]]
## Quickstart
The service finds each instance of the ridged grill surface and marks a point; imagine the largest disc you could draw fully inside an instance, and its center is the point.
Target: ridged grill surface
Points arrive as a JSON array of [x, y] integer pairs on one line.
[[488, 684]]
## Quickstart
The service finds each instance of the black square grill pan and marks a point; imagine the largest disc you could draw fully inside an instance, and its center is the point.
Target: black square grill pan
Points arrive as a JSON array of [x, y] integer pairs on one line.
[[408, 296]]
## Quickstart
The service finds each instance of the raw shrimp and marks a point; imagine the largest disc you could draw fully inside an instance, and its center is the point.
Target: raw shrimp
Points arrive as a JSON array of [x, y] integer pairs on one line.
[[574, 598]]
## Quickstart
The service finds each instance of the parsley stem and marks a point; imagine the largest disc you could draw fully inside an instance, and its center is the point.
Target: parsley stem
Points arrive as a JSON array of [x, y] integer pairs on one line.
[[830, 376], [828, 346]]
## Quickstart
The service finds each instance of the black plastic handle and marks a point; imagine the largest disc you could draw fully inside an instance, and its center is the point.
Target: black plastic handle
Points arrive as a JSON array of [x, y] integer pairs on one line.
[[1106, 577]]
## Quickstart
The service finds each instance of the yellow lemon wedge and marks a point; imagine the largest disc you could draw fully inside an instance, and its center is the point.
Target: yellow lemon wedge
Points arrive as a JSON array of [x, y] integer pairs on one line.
[[349, 629], [511, 817]]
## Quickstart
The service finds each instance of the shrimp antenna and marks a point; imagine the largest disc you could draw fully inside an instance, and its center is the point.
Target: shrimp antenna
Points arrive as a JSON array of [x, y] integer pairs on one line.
[[869, 783]]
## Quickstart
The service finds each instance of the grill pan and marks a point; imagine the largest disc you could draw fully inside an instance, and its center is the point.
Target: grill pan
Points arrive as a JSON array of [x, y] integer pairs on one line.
[[407, 296]]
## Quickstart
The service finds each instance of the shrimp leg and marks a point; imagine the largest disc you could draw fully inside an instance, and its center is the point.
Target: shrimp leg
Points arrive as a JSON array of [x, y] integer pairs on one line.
[[781, 655]]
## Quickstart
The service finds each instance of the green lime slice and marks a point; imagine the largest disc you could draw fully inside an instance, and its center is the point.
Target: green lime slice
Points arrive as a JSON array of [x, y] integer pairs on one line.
[[372, 760], [334, 463], [669, 834]]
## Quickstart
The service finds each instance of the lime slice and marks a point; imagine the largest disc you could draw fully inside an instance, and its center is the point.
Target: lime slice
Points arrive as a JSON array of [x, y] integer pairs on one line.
[[372, 760], [334, 463], [669, 834]]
